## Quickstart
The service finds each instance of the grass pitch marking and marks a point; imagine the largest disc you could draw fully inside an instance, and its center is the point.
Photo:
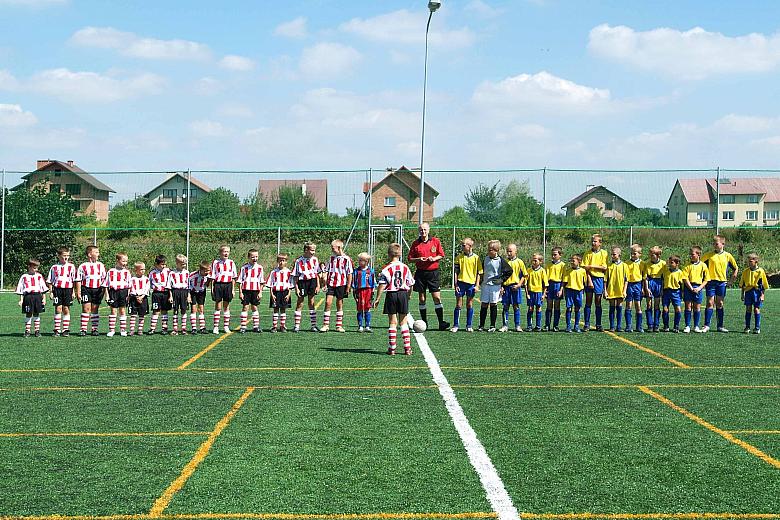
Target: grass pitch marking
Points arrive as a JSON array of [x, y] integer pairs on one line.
[[723, 433], [103, 434], [754, 432], [164, 501], [650, 351], [203, 352]]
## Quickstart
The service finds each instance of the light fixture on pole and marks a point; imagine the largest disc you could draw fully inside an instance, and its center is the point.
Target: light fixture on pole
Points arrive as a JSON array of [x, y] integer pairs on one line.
[[433, 6]]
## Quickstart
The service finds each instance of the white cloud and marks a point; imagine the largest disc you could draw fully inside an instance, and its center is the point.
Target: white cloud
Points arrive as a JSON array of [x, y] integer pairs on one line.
[[208, 128], [524, 132], [8, 81], [207, 86], [690, 55], [770, 143], [405, 27], [746, 124], [14, 116], [482, 9], [84, 87], [130, 44], [237, 63], [32, 3], [235, 110], [292, 29], [328, 60]]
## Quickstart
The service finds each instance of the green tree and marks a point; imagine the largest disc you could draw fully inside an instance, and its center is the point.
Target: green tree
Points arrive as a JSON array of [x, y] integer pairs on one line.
[[220, 204], [518, 207], [136, 213], [291, 203], [455, 216], [482, 202]]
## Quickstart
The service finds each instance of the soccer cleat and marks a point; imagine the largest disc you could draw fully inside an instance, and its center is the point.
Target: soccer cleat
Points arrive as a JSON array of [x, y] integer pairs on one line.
[[445, 325], [545, 329], [368, 329], [756, 331], [283, 329], [504, 329], [640, 331], [469, 329], [110, 334], [555, 329], [242, 330], [226, 329], [204, 331], [123, 333], [37, 334], [272, 330], [746, 331], [518, 329], [391, 352], [360, 329], [705, 329], [537, 329], [174, 333], [296, 329], [257, 330], [193, 331], [454, 329], [481, 329], [724, 330], [687, 329], [314, 328], [491, 329], [183, 332], [95, 332], [599, 328], [216, 330], [578, 330], [407, 352], [82, 333], [56, 334], [676, 330], [65, 333], [610, 330], [341, 329], [697, 330], [325, 328], [27, 334], [665, 329], [569, 331], [140, 333], [163, 332]]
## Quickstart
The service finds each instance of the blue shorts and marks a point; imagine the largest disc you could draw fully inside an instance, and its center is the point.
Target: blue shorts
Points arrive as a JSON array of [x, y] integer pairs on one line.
[[552, 290], [672, 298], [573, 298], [465, 289], [716, 288], [511, 296], [634, 292], [753, 298], [598, 286], [656, 286], [534, 299], [690, 296]]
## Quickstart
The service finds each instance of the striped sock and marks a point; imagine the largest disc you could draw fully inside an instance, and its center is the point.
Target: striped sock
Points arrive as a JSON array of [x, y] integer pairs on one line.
[[84, 321], [391, 338], [244, 319], [95, 321], [155, 317], [193, 321], [202, 320], [313, 317], [326, 319], [112, 323], [226, 318], [133, 320], [65, 322], [256, 319], [37, 321], [57, 322], [123, 323], [339, 319], [165, 322], [27, 325], [216, 319], [297, 315], [407, 337], [283, 319], [275, 320]]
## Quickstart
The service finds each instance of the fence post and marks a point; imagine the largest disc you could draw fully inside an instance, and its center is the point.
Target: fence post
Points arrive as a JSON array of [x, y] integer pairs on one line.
[[279, 240], [717, 202], [453, 257], [544, 214], [2, 237], [630, 236], [189, 196], [94, 237]]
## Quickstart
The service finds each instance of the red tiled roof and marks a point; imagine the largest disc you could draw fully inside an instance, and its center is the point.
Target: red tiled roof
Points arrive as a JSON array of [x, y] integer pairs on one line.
[[586, 194], [695, 190], [318, 188], [703, 190]]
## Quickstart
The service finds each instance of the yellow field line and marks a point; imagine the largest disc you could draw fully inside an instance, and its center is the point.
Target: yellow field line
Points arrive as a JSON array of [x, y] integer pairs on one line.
[[701, 422], [203, 352], [650, 351], [755, 432], [317, 305], [414, 516], [165, 499], [103, 434]]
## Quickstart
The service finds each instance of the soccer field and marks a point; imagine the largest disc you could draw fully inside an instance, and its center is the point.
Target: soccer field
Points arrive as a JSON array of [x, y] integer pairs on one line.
[[320, 426]]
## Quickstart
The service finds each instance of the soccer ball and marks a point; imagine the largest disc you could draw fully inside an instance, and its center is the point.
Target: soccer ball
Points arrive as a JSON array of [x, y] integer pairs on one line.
[[419, 326]]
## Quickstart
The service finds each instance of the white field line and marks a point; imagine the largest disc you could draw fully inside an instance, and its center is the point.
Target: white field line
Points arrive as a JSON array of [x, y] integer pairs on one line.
[[495, 491]]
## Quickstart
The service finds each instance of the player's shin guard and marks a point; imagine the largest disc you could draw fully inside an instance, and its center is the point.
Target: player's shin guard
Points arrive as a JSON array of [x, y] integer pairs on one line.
[[666, 319], [720, 313], [407, 338], [598, 315], [638, 320], [505, 316], [688, 316], [57, 322], [275, 320], [611, 316], [587, 317], [65, 322], [547, 317], [456, 317], [482, 317], [226, 318], [256, 319], [133, 320], [360, 319], [529, 316], [326, 319], [27, 325], [313, 317], [368, 319], [708, 316], [155, 317], [141, 323], [517, 317], [568, 319], [539, 319], [202, 320], [123, 324], [657, 318], [391, 338], [283, 319], [576, 317], [193, 321], [758, 318], [629, 317], [648, 317], [37, 324], [165, 322]]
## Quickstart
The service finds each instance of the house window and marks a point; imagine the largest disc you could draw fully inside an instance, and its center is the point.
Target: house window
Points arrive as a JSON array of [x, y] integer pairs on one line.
[[728, 215], [194, 193], [55, 188], [169, 194], [751, 215], [703, 215], [390, 218], [73, 189], [389, 202], [608, 206], [58, 173], [772, 215], [727, 199], [752, 199]]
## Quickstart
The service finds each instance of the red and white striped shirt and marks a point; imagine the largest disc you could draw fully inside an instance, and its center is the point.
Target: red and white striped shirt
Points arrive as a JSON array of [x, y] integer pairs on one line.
[[252, 277], [158, 279], [31, 284], [117, 279], [91, 274], [223, 270], [338, 269], [306, 268], [396, 276], [280, 279], [139, 286], [197, 282], [178, 279], [62, 276]]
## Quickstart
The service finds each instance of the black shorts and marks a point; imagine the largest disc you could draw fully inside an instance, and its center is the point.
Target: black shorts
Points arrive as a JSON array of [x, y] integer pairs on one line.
[[251, 298], [282, 303], [136, 308], [306, 287], [160, 301], [396, 302], [222, 292], [180, 300], [117, 298], [339, 292], [93, 296], [32, 303], [198, 297], [62, 296], [427, 280]]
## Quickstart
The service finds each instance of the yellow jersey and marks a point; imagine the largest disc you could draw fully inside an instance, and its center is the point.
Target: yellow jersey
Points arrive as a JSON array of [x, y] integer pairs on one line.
[[654, 270], [518, 271], [635, 270], [555, 271], [467, 267], [718, 264], [597, 258], [575, 278], [615, 282], [672, 279], [537, 280], [754, 279], [697, 273]]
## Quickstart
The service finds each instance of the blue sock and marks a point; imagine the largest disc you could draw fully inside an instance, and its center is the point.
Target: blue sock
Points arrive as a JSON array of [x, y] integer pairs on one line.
[[470, 317], [576, 318], [368, 318], [529, 316], [720, 317], [619, 315], [568, 319], [657, 319], [360, 318], [688, 315], [505, 316], [556, 317], [666, 319], [758, 320], [456, 317], [611, 317], [696, 318], [598, 315], [747, 319], [628, 317], [639, 320], [648, 316], [677, 316], [539, 319], [707, 317], [587, 317], [547, 316], [517, 317]]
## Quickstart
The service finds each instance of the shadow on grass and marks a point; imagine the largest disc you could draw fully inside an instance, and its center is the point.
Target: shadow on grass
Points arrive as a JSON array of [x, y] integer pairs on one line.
[[355, 350]]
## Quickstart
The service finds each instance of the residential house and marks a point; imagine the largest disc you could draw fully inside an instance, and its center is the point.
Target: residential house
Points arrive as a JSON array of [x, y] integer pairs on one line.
[[397, 196], [317, 188], [609, 204], [169, 198]]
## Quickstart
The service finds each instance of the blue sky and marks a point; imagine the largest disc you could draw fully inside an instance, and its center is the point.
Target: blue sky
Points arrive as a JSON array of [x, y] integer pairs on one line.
[[337, 85]]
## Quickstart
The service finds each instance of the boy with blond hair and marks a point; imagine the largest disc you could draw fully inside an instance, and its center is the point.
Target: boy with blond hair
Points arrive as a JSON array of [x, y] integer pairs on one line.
[[396, 281], [718, 261], [574, 280], [635, 276], [32, 291], [513, 288], [179, 284], [222, 280], [197, 286], [339, 271], [161, 294], [306, 275], [654, 288], [695, 278], [89, 289], [363, 283], [753, 284], [468, 269], [495, 271], [280, 282], [594, 261], [138, 300], [615, 288], [117, 286], [251, 280], [60, 283], [555, 290], [673, 282], [534, 291]]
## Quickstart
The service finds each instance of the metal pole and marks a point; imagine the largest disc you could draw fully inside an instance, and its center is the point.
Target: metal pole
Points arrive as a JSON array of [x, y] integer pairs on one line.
[[369, 210], [631, 237], [94, 238], [453, 257], [279, 240], [422, 138], [189, 196], [717, 201], [544, 215], [2, 234]]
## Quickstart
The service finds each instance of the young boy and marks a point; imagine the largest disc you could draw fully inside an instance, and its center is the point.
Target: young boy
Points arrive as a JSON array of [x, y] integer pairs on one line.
[[594, 262], [513, 288], [554, 290], [495, 271], [280, 282], [615, 288], [117, 286], [654, 287], [307, 284], [635, 275], [89, 289], [363, 284], [222, 279], [718, 261], [339, 279], [32, 296], [397, 281], [60, 282], [753, 284], [574, 281], [251, 281], [673, 281], [468, 269], [161, 293], [138, 303], [197, 285], [179, 284], [534, 291], [695, 278]]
